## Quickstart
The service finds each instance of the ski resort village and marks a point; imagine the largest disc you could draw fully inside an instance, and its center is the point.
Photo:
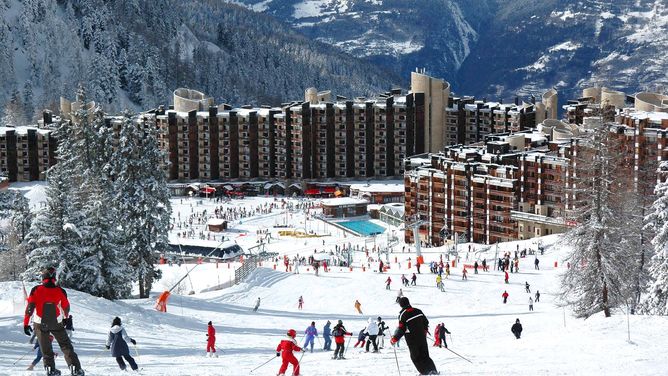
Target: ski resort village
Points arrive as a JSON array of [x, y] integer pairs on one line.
[[177, 198]]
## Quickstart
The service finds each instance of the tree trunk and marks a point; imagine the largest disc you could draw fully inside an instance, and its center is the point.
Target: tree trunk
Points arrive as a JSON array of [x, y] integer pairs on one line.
[[142, 291], [606, 306]]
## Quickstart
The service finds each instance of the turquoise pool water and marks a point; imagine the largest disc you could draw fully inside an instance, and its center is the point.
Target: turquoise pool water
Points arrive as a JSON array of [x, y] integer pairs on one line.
[[366, 228]]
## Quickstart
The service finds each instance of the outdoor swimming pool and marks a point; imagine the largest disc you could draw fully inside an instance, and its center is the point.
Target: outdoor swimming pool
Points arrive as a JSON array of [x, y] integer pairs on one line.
[[363, 227]]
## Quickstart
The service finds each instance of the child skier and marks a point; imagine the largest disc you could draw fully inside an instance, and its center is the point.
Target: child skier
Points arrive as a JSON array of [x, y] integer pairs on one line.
[[505, 297], [118, 343], [211, 341], [311, 332], [38, 355], [361, 339], [300, 302], [285, 349], [339, 332], [387, 283]]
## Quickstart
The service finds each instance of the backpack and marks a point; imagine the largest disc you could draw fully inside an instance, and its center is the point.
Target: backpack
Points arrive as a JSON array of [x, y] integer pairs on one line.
[[337, 331]]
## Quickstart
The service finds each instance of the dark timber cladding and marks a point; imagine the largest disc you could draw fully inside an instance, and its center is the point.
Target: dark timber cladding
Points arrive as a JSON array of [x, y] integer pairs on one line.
[[214, 143], [253, 144], [315, 132], [173, 146], [370, 133], [330, 147], [410, 126], [288, 143], [389, 129], [350, 140], [272, 140], [12, 163], [419, 123], [234, 145], [53, 146], [306, 141], [193, 152], [33, 163]]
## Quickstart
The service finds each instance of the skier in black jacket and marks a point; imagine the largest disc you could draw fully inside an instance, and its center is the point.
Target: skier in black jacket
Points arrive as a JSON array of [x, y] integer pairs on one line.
[[414, 325], [517, 329]]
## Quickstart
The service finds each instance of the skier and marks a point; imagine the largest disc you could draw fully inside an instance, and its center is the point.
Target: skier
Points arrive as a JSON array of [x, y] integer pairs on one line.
[[257, 305], [517, 329], [69, 327], [414, 325], [117, 341], [484, 264], [381, 332], [372, 332], [387, 283], [211, 340], [505, 296], [399, 295], [361, 339], [413, 280], [535, 263], [311, 332], [441, 335], [447, 270], [526, 286], [49, 304], [537, 296], [475, 267], [506, 277], [295, 267], [530, 304], [358, 306], [439, 283], [339, 332], [437, 332], [326, 336], [300, 302], [464, 274], [380, 266], [285, 349], [38, 355]]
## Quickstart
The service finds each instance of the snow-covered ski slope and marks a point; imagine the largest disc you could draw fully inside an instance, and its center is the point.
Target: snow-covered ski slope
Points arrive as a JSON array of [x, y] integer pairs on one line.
[[174, 343]]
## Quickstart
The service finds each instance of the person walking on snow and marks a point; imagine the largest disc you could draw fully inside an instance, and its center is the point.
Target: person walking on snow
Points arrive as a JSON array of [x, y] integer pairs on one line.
[[211, 340], [49, 305], [537, 296], [530, 304], [117, 341], [413, 324], [505, 297], [339, 332], [311, 332], [464, 274], [387, 283], [327, 336], [300, 302], [361, 339], [372, 332], [517, 329], [526, 286], [358, 306], [441, 335], [257, 305], [399, 295], [285, 349]]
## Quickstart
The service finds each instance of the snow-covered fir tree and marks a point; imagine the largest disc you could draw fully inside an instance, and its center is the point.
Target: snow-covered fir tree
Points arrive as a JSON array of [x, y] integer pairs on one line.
[[13, 248], [600, 275], [142, 199], [656, 298]]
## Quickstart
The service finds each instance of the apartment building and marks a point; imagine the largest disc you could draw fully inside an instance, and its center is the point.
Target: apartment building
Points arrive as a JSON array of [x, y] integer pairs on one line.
[[314, 140], [26, 153]]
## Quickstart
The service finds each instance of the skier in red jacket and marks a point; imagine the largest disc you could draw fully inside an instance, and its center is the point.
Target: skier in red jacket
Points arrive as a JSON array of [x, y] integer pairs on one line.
[[211, 341], [48, 306], [285, 349]]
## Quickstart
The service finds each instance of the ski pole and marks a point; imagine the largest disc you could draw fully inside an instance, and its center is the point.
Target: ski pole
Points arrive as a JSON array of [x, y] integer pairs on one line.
[[263, 364], [451, 341], [347, 345], [459, 355], [22, 356], [396, 359], [98, 355], [137, 352]]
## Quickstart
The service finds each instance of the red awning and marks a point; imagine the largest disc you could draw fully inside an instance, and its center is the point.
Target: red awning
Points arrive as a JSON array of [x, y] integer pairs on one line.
[[312, 192], [329, 190], [208, 190]]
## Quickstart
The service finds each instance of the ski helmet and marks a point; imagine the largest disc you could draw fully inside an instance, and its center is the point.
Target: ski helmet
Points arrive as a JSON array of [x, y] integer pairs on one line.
[[49, 274], [340, 322], [379, 319], [292, 333]]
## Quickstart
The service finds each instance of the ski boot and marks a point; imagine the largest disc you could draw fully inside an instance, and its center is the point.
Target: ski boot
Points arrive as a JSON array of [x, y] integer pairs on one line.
[[77, 371], [52, 371]]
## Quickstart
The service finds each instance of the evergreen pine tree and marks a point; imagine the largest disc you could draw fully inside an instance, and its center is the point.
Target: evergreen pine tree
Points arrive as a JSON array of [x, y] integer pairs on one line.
[[656, 298]]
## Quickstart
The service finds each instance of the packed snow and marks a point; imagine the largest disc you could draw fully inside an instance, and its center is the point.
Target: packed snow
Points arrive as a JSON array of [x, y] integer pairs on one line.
[[173, 343]]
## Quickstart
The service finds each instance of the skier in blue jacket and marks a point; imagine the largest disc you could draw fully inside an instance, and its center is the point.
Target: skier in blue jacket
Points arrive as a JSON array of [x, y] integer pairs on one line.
[[326, 335], [310, 332], [117, 342]]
